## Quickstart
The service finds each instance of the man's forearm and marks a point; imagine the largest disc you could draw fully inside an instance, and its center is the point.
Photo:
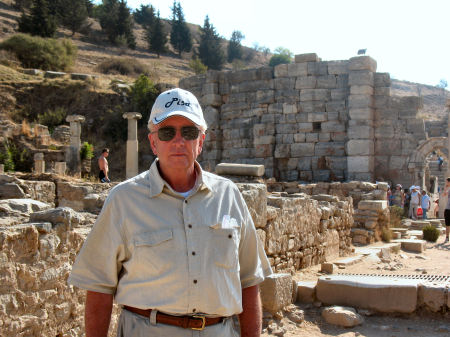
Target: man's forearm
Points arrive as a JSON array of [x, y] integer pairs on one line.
[[251, 317], [97, 314]]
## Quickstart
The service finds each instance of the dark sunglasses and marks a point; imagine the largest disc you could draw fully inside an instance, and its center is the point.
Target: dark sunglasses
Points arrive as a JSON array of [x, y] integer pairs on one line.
[[167, 133]]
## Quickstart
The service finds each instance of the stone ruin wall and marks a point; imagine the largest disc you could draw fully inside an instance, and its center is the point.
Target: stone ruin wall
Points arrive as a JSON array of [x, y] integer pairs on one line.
[[39, 244], [311, 120]]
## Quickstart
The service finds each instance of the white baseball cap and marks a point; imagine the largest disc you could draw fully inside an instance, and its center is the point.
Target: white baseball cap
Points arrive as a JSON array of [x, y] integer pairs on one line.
[[177, 102]]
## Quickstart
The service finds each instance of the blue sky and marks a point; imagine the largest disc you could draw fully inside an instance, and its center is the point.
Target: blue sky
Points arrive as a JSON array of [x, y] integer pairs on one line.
[[408, 38]]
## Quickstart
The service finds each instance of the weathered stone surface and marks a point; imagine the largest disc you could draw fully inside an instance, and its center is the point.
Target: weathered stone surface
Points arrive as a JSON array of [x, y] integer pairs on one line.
[[417, 246], [433, 296], [11, 191], [360, 147], [375, 205], [309, 57], [376, 293], [22, 206], [302, 149], [362, 63], [342, 316], [240, 169], [256, 199], [306, 291], [276, 292]]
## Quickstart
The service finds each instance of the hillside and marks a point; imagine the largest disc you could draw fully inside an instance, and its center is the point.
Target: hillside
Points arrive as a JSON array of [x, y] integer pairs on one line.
[[93, 49], [434, 99]]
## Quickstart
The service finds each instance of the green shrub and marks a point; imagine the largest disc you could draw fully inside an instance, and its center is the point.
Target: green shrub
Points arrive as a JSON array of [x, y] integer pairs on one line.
[[279, 59], [430, 233], [6, 158], [43, 53], [143, 95], [197, 66], [15, 159], [122, 66], [386, 235], [86, 151], [396, 214], [52, 118]]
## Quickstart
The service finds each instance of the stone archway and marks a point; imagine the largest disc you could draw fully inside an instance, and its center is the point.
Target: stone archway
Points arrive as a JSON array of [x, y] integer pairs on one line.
[[417, 165]]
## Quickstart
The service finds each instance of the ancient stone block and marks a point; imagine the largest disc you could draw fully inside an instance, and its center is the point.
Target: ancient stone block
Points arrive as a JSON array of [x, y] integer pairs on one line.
[[360, 101], [338, 67], [382, 91], [317, 117], [336, 106], [360, 147], [299, 137], [324, 137], [339, 94], [210, 88], [276, 292], [312, 137], [284, 83], [417, 246], [361, 90], [314, 95], [306, 82], [329, 149], [306, 291], [376, 293], [388, 146], [11, 191], [317, 68], [304, 164], [289, 108], [302, 149], [382, 80], [309, 57], [327, 82], [362, 63], [304, 127], [288, 128], [333, 126], [360, 78], [297, 69], [415, 126], [373, 205], [264, 97], [282, 151], [360, 164], [312, 106], [360, 132]]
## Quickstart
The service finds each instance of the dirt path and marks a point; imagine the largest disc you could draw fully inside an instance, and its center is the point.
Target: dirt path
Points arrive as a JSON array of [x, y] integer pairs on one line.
[[435, 260]]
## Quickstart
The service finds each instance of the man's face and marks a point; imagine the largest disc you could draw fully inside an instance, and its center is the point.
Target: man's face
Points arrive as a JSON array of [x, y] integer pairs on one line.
[[177, 153], [106, 154]]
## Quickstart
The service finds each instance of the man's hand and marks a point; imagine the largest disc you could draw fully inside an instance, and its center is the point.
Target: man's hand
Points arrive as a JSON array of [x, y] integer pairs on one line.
[[251, 317], [97, 314]]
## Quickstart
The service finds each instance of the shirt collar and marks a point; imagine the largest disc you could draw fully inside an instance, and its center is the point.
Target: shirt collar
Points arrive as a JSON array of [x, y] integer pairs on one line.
[[157, 183]]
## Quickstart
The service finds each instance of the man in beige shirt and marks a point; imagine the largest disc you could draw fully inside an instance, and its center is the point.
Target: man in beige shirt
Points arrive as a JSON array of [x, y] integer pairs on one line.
[[175, 246]]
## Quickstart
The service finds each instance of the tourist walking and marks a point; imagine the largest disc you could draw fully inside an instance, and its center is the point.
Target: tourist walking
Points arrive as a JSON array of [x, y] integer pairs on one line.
[[398, 196], [447, 209], [425, 203], [175, 246], [440, 161], [103, 166], [414, 203]]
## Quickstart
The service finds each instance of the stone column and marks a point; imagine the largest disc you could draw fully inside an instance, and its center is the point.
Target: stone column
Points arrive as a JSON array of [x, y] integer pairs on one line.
[[2, 168], [73, 152], [443, 198], [39, 163], [132, 167], [60, 168], [361, 146]]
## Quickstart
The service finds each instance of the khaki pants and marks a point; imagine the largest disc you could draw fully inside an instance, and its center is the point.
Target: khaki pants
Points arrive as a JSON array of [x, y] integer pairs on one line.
[[134, 325]]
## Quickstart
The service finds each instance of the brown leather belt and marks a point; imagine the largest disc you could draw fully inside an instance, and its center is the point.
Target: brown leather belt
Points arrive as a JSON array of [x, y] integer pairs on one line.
[[195, 322]]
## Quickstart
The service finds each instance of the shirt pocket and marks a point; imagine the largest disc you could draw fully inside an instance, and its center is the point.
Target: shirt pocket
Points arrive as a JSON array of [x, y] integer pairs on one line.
[[155, 250], [225, 244]]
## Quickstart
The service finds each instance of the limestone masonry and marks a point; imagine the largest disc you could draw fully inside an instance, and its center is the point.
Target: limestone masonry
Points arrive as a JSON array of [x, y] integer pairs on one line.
[[311, 120]]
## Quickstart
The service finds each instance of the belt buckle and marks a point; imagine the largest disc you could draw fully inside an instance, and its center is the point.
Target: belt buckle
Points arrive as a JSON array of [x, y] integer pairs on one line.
[[203, 318]]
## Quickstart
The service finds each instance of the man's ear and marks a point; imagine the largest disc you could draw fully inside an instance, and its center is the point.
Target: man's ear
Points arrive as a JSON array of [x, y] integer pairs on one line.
[[152, 142]]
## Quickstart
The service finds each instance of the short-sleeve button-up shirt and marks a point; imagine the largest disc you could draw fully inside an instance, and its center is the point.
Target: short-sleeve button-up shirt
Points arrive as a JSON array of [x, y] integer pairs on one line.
[[152, 248]]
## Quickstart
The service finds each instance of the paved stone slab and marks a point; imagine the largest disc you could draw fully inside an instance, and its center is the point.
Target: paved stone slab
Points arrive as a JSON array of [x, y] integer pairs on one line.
[[417, 246], [376, 293], [348, 261], [376, 205]]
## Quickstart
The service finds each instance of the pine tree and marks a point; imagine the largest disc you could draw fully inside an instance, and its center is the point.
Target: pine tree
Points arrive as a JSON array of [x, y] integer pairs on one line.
[[210, 50], [116, 21], [234, 46], [39, 22], [157, 37], [73, 14], [180, 35], [145, 16], [125, 24]]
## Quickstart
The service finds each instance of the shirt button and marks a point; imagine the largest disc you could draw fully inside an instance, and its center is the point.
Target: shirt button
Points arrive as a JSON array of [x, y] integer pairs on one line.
[[190, 226], [195, 281], [193, 253], [230, 236], [194, 310], [185, 201]]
